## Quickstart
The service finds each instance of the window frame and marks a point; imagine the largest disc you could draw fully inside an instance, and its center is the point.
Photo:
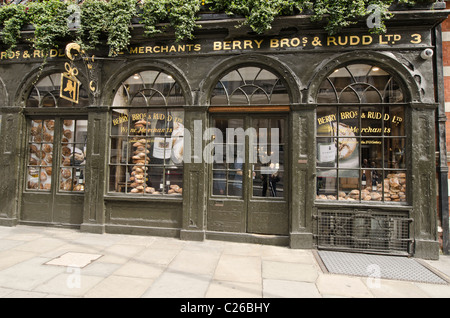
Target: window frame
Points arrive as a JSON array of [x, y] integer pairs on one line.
[[147, 108], [382, 171]]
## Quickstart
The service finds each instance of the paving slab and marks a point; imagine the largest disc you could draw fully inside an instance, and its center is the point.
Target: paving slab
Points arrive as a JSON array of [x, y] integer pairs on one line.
[[396, 289], [175, 284], [119, 287], [342, 286], [120, 253], [140, 269], [29, 274], [69, 283], [276, 288], [12, 257], [289, 271], [195, 262], [158, 256], [237, 268], [224, 289]]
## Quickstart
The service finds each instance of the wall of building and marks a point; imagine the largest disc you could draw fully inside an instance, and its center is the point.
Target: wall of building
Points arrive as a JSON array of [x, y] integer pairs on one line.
[[446, 63]]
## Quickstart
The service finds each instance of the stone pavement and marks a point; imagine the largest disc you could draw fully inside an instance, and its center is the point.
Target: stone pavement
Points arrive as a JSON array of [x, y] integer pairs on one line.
[[53, 262]]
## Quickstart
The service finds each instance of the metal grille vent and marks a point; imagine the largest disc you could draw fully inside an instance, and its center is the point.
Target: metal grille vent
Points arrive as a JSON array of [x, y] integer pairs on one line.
[[379, 266], [364, 231]]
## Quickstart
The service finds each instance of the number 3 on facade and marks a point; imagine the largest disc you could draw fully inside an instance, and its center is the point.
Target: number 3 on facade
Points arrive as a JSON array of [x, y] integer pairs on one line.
[[417, 38]]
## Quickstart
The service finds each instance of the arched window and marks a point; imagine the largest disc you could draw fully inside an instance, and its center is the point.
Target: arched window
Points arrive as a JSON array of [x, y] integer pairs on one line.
[[250, 86], [360, 84], [56, 136], [46, 93], [361, 136], [147, 130]]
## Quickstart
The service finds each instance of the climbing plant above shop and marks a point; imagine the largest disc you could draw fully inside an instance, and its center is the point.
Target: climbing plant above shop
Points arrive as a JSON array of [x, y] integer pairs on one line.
[[110, 22]]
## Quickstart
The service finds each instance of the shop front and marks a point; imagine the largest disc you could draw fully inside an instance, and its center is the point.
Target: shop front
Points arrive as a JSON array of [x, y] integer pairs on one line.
[[297, 138]]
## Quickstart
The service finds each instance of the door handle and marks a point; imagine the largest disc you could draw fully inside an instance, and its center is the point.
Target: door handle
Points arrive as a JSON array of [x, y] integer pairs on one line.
[[249, 174]]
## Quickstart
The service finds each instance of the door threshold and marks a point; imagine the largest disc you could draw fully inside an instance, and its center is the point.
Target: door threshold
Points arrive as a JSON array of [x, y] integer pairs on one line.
[[278, 240]]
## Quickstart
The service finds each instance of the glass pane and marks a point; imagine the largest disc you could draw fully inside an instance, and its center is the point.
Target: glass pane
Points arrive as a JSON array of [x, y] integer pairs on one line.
[[40, 155], [118, 150], [160, 150], [372, 121], [234, 185], [349, 185], [326, 121], [235, 175], [176, 156], [372, 152], [175, 122], [33, 178], [174, 181], [395, 186], [119, 178], [348, 153], [119, 125], [73, 155], [394, 152], [340, 79], [219, 182], [137, 179], [240, 97], [327, 152], [326, 185], [350, 95], [156, 181], [349, 119], [327, 93], [267, 183], [395, 121]]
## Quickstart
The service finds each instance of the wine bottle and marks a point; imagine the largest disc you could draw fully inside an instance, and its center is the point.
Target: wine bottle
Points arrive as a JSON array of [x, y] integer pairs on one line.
[[364, 179], [374, 181], [326, 147]]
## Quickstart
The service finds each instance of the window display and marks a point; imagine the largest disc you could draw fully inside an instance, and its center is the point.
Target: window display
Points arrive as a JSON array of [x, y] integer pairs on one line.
[[361, 148], [146, 144], [40, 158], [42, 144], [73, 149]]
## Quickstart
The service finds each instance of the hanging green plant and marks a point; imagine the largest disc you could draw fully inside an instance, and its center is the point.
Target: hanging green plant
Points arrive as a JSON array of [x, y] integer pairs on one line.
[[180, 14], [93, 25], [49, 19], [110, 21], [13, 18], [119, 15], [259, 14]]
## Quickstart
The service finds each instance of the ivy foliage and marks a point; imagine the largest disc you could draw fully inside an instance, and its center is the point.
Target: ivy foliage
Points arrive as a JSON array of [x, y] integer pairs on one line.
[[49, 19], [180, 14], [110, 21], [12, 18]]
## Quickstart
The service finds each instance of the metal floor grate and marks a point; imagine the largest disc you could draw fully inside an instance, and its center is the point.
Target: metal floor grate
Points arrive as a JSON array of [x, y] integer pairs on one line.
[[388, 267]]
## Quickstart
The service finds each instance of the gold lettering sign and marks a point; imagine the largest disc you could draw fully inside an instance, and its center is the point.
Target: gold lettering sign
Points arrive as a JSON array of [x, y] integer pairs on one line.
[[70, 85]]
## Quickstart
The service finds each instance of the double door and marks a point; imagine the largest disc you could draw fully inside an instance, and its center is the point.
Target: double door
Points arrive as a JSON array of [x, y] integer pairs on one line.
[[248, 174], [54, 170]]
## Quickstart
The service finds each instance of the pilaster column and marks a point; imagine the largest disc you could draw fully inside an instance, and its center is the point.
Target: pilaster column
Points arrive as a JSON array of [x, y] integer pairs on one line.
[[302, 168], [96, 168]]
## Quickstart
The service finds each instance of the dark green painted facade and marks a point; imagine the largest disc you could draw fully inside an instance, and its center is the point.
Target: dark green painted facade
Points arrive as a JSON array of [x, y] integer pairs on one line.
[[190, 217]]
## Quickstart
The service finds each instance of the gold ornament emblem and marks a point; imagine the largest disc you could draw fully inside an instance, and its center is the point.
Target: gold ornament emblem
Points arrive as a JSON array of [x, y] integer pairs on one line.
[[70, 85]]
